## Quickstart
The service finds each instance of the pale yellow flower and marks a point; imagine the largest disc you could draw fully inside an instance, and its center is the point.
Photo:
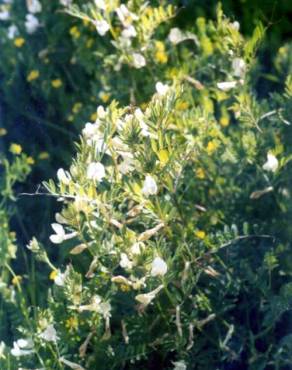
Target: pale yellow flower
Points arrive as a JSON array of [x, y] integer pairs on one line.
[[44, 155], [3, 131], [15, 148], [74, 32], [33, 75], [200, 173], [57, 83], [30, 160], [200, 234], [53, 275], [19, 42], [16, 280], [211, 147]]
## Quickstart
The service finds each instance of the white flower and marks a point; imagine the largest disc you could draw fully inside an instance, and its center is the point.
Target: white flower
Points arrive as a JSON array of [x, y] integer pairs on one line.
[[125, 43], [61, 277], [66, 2], [95, 171], [100, 4], [91, 129], [226, 86], [239, 67], [93, 306], [33, 245], [125, 16], [137, 248], [146, 298], [129, 32], [98, 142], [70, 364], [97, 305], [235, 25], [139, 114], [138, 60], [2, 349], [140, 117], [102, 27], [101, 112], [175, 35], [12, 32], [121, 147], [149, 186], [60, 219], [161, 88], [159, 267], [105, 309], [121, 280], [125, 263], [49, 334], [22, 347], [271, 164], [127, 165], [63, 176], [179, 365], [31, 23], [60, 235], [4, 15], [120, 124], [34, 6]]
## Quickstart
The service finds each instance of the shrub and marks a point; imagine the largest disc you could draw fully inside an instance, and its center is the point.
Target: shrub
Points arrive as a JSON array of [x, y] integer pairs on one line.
[[174, 225]]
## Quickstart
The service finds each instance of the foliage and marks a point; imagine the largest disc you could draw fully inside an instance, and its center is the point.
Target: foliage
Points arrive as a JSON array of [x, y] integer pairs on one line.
[[174, 233]]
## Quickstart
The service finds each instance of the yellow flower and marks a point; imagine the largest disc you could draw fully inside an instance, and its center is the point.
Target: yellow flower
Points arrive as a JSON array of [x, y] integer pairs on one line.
[[182, 105], [15, 148], [70, 118], [224, 121], [104, 96], [57, 83], [213, 133], [211, 147], [89, 43], [44, 155], [19, 42], [173, 73], [16, 280], [86, 22], [30, 160], [93, 117], [125, 288], [74, 32], [3, 131], [200, 173], [161, 57], [159, 45], [149, 11], [76, 107], [200, 234], [283, 50], [33, 75], [143, 106], [53, 275], [206, 45], [72, 323]]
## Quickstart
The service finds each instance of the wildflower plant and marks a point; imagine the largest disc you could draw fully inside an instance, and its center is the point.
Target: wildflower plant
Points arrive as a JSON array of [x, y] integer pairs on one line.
[[173, 224], [148, 280]]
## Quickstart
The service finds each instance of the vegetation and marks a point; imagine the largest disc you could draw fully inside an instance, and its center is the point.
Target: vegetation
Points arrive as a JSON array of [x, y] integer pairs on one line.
[[152, 213]]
